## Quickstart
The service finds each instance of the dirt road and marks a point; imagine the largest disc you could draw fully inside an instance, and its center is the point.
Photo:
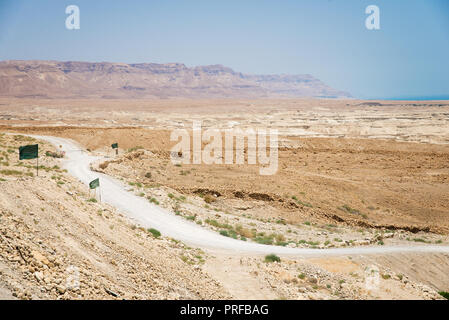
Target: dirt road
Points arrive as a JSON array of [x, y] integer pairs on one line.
[[148, 215]]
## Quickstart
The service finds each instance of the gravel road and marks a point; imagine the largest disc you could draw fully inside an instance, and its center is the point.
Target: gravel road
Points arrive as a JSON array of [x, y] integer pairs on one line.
[[148, 215]]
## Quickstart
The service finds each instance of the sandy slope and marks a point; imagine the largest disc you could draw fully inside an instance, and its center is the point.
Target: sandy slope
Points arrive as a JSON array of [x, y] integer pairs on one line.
[[56, 243], [149, 215]]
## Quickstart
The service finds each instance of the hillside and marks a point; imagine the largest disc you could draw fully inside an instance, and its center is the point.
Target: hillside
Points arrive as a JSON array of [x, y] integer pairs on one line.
[[54, 79], [57, 242]]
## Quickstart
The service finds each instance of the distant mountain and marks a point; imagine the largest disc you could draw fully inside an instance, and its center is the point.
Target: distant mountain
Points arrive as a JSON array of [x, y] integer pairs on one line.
[[54, 79]]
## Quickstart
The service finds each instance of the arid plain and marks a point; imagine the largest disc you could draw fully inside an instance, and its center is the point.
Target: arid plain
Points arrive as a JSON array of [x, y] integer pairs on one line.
[[351, 173]]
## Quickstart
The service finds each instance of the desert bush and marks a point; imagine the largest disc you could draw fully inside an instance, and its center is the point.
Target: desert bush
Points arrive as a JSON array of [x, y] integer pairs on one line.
[[11, 172], [348, 209], [135, 148], [135, 184], [229, 233], [232, 234], [302, 203], [419, 240], [209, 198], [54, 154], [272, 258], [224, 233], [280, 238], [154, 232], [23, 138], [243, 232], [264, 240], [217, 224]]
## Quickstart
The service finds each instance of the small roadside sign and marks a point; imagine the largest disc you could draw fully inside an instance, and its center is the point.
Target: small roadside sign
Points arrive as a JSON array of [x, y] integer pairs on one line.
[[30, 152], [94, 183]]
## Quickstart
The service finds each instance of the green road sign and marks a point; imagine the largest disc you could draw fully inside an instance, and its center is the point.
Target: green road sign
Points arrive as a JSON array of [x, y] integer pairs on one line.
[[29, 152], [114, 145], [94, 183]]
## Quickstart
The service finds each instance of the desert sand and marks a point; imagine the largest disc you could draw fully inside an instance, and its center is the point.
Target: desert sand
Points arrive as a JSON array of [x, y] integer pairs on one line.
[[351, 173]]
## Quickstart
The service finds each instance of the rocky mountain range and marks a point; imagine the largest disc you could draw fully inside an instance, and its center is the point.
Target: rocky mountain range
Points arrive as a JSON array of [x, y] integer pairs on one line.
[[55, 79]]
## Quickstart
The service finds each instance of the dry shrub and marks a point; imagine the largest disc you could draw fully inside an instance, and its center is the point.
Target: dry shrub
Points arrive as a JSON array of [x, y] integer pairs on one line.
[[103, 165], [209, 198], [244, 232], [280, 238]]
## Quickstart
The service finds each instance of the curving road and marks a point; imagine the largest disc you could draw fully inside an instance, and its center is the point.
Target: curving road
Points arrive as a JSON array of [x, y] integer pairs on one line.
[[149, 215]]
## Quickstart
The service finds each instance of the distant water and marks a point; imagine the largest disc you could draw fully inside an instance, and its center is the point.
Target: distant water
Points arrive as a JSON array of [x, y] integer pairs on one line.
[[418, 98]]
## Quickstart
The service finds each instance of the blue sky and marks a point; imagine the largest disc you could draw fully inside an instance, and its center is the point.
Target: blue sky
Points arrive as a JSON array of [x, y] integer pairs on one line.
[[406, 58]]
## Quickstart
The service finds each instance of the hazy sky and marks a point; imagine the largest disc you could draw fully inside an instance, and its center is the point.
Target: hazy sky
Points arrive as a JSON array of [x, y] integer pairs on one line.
[[408, 57]]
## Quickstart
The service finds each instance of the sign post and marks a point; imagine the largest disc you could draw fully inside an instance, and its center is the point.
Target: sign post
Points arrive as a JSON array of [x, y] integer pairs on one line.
[[115, 146], [94, 184], [30, 152]]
